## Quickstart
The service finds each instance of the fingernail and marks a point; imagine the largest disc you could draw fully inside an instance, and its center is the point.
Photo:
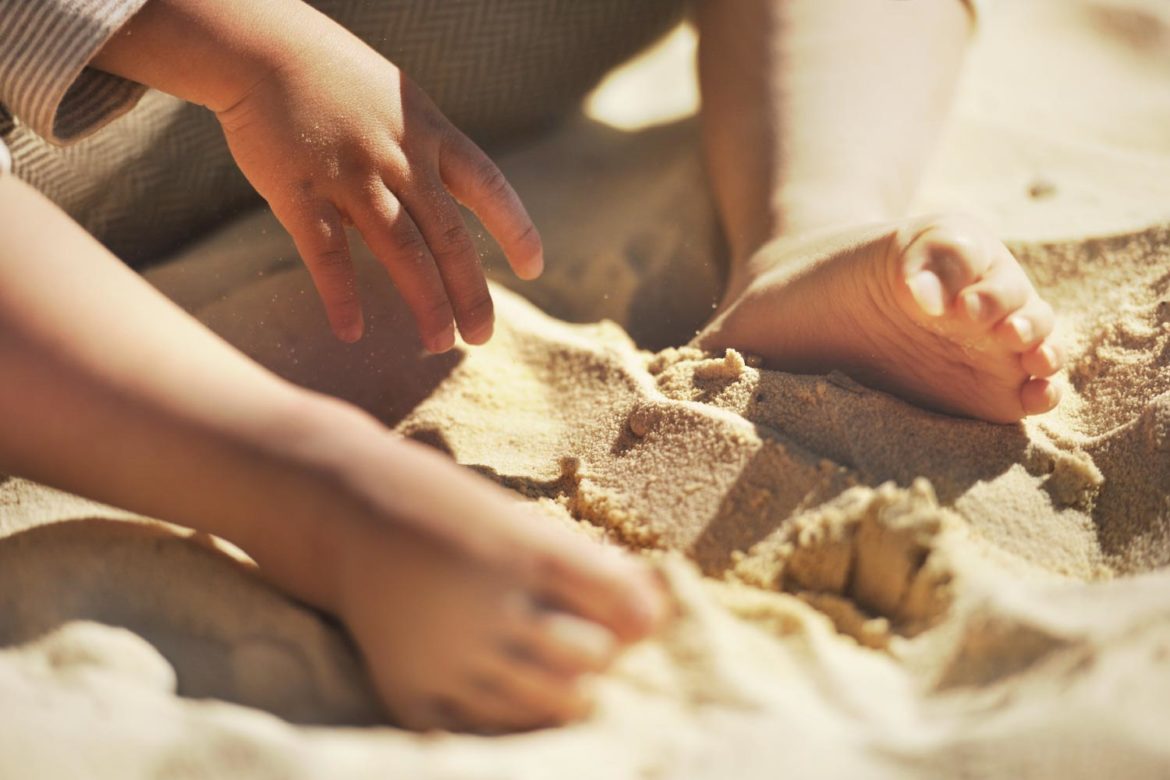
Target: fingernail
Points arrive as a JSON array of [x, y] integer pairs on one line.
[[927, 290], [480, 335], [535, 268], [350, 333], [1022, 328], [973, 305], [445, 340]]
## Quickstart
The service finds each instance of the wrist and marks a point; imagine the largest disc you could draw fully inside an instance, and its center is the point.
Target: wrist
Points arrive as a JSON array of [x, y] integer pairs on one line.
[[310, 516], [810, 214], [208, 53]]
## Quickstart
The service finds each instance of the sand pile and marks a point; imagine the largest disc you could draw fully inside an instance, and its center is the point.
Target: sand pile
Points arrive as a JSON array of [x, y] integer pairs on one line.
[[865, 589]]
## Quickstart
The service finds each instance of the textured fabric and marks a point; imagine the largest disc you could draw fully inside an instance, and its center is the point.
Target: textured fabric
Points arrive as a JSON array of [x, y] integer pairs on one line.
[[161, 175], [45, 46], [5, 159]]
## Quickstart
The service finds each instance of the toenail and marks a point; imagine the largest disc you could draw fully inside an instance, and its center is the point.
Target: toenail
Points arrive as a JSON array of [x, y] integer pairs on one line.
[[927, 290], [1023, 329], [973, 304], [445, 340], [1050, 358]]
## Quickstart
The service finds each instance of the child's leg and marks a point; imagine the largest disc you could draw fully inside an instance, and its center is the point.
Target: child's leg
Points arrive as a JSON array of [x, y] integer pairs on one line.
[[819, 116], [468, 612]]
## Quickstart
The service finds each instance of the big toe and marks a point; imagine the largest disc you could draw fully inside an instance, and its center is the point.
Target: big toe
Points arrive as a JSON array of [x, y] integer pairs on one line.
[[964, 282], [940, 257]]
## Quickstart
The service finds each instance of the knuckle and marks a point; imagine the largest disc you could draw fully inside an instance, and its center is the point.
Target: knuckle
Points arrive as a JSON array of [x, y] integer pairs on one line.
[[454, 242], [492, 180], [435, 123], [332, 260], [345, 298], [436, 308], [344, 295], [528, 236], [478, 308], [407, 241], [305, 188]]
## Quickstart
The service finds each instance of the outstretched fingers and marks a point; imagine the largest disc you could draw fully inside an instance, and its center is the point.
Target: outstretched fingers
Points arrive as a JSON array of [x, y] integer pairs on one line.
[[476, 182], [394, 238], [411, 220], [319, 234], [441, 225]]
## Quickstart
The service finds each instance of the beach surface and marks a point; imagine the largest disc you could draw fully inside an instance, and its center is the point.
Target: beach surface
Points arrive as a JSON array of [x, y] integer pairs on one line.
[[864, 589]]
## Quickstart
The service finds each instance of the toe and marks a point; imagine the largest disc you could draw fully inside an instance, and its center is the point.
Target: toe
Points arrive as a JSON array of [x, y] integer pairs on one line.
[[565, 644], [952, 251], [1000, 293], [1039, 395], [928, 293], [1043, 360], [1026, 328]]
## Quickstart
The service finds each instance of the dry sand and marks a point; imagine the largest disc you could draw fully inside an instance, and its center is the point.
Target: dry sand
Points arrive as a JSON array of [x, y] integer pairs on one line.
[[866, 589]]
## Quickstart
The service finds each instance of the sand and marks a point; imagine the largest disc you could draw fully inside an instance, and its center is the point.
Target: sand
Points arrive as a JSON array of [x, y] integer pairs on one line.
[[865, 589]]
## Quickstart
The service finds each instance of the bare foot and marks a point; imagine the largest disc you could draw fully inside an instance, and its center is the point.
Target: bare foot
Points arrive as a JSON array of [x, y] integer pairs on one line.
[[934, 310], [474, 614]]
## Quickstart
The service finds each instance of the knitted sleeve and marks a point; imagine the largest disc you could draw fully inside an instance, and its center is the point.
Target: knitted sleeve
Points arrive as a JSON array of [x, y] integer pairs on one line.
[[45, 48]]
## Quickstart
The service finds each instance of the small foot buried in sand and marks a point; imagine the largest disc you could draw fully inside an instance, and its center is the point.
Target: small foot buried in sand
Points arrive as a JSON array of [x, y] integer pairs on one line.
[[934, 310]]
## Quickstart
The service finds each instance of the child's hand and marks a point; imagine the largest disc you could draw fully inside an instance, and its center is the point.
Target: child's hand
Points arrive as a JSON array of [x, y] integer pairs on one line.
[[333, 135]]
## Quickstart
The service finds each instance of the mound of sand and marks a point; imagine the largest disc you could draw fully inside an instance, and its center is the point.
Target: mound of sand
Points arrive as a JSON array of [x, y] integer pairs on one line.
[[865, 589]]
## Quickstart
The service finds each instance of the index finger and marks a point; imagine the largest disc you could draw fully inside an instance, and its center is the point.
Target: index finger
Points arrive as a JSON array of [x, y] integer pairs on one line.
[[475, 181]]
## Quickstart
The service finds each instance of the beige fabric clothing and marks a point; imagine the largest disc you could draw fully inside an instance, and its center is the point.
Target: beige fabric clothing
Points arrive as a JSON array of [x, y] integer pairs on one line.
[[161, 175], [45, 47]]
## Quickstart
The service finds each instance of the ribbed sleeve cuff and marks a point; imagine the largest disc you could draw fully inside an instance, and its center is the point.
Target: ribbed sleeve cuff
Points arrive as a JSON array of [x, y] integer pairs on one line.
[[45, 46]]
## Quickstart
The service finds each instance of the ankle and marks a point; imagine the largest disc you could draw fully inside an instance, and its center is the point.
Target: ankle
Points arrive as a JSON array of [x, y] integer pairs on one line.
[[816, 210]]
